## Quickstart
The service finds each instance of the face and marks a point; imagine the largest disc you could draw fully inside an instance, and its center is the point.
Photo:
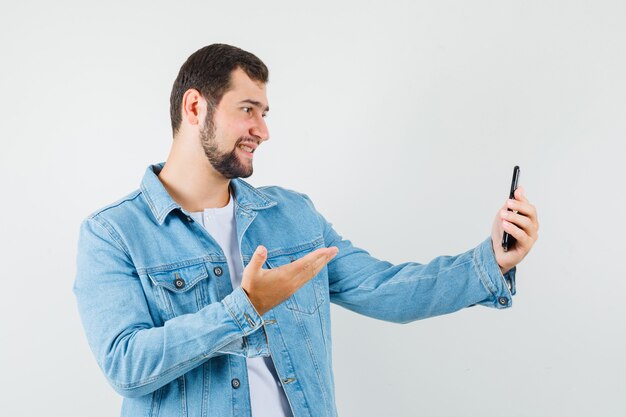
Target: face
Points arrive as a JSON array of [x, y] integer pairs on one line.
[[231, 134]]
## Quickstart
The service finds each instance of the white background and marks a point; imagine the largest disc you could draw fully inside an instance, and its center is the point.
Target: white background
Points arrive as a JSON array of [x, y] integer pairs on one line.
[[402, 122]]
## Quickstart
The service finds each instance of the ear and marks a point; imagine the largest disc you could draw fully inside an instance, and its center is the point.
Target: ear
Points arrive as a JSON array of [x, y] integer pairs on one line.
[[194, 106]]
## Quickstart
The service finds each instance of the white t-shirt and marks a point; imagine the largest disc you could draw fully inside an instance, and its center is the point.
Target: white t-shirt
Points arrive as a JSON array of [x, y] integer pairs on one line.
[[267, 397]]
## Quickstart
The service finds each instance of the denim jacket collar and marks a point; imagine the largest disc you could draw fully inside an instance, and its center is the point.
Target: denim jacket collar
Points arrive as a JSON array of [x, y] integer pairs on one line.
[[161, 203]]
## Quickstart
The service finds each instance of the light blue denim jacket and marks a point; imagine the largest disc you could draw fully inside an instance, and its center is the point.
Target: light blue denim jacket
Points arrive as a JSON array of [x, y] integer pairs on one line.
[[171, 335]]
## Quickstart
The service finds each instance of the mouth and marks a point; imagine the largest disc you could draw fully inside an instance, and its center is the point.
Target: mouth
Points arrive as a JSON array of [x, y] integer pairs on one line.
[[247, 148]]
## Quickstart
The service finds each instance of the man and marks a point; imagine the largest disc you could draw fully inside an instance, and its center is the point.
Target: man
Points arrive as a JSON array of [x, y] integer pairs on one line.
[[204, 296]]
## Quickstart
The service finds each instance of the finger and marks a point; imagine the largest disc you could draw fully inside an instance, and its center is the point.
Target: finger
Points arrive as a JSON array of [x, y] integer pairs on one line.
[[520, 194], [318, 262], [519, 220], [516, 232], [522, 207], [527, 211], [307, 267], [307, 259], [294, 267], [258, 258]]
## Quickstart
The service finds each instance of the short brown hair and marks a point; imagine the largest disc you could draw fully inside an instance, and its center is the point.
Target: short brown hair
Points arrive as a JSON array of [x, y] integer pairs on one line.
[[208, 70]]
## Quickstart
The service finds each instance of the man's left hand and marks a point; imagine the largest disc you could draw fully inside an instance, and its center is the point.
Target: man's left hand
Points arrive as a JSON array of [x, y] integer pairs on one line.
[[521, 223]]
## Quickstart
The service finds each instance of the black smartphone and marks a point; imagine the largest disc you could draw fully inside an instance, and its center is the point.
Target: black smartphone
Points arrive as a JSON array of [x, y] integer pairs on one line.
[[507, 239]]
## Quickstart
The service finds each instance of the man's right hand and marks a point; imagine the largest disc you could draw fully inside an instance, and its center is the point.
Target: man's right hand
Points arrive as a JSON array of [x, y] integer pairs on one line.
[[266, 288]]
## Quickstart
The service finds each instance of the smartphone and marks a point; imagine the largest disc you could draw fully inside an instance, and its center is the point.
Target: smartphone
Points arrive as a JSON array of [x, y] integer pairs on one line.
[[507, 239]]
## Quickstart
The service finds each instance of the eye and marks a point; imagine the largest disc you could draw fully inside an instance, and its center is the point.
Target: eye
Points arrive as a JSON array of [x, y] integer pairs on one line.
[[247, 109]]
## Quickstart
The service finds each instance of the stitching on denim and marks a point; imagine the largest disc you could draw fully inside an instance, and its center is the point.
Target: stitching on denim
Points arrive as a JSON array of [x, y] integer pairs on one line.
[[176, 265], [433, 276], [493, 287], [202, 298], [268, 203], [148, 199], [322, 227], [290, 361], [206, 388], [131, 196], [293, 305], [160, 216], [156, 402], [183, 396], [156, 280], [109, 229], [165, 374], [230, 377], [323, 329], [167, 301], [230, 311], [295, 249], [307, 338], [481, 274]]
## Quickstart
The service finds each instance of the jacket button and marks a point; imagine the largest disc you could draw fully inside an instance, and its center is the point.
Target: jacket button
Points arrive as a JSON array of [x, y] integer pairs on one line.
[[235, 383], [502, 300], [218, 271], [179, 283]]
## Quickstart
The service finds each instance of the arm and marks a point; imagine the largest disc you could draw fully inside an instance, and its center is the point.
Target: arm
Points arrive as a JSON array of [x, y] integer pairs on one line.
[[410, 291], [137, 357]]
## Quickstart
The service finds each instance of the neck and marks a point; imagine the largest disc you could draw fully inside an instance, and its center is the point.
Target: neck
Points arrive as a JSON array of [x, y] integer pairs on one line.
[[190, 179]]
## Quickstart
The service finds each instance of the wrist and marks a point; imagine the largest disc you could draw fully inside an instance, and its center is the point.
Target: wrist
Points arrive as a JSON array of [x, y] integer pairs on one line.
[[255, 304]]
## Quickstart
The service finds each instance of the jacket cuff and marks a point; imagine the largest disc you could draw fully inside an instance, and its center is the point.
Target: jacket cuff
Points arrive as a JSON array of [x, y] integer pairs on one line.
[[502, 287], [256, 344], [242, 311], [509, 278]]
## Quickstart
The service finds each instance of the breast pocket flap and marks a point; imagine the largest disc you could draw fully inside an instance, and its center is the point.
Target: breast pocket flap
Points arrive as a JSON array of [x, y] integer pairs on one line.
[[180, 279]]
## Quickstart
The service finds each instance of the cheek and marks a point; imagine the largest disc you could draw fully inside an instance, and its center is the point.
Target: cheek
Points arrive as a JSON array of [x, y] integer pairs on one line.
[[234, 128], [241, 127], [226, 135]]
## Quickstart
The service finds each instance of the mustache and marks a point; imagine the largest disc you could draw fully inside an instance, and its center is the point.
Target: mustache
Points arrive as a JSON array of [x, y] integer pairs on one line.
[[247, 139]]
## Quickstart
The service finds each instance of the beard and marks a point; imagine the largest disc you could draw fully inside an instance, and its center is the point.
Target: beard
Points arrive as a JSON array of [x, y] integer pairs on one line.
[[228, 164]]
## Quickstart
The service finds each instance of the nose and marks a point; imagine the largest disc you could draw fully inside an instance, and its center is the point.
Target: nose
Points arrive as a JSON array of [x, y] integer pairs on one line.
[[260, 130]]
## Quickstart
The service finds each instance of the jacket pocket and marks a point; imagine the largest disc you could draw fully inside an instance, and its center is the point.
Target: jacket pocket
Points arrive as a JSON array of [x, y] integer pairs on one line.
[[179, 290], [308, 298]]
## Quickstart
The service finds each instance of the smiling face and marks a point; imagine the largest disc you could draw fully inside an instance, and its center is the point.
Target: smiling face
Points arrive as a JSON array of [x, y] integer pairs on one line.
[[232, 132]]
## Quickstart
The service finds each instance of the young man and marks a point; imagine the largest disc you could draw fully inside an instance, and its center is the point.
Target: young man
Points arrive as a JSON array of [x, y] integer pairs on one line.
[[204, 296]]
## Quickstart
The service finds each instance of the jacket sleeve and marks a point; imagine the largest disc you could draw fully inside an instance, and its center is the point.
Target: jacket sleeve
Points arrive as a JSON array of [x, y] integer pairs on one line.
[[137, 357], [411, 291]]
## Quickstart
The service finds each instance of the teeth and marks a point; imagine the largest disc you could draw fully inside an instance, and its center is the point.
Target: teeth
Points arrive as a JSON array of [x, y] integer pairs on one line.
[[246, 148]]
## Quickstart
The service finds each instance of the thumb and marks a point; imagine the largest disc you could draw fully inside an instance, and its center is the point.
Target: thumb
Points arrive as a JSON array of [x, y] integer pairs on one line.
[[258, 258]]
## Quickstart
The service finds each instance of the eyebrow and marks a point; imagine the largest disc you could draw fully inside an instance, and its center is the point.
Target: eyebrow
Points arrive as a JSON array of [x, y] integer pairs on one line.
[[255, 104]]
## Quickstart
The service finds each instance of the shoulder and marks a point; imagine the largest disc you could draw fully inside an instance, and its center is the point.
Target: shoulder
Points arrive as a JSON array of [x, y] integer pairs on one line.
[[122, 214], [288, 197], [279, 193], [116, 206]]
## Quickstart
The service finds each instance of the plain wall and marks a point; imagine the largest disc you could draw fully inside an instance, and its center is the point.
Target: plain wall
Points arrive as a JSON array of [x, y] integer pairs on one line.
[[401, 121]]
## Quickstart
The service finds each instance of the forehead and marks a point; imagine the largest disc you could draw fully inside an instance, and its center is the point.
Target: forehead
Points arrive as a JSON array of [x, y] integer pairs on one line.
[[242, 88]]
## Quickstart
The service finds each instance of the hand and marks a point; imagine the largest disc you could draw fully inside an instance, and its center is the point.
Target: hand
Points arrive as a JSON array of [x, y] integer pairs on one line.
[[521, 223], [266, 288]]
